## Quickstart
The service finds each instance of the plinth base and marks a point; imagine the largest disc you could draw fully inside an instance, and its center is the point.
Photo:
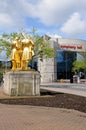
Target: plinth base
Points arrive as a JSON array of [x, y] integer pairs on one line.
[[22, 83]]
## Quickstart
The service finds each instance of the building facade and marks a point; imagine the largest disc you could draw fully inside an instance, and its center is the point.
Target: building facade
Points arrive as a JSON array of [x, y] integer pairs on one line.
[[66, 52]]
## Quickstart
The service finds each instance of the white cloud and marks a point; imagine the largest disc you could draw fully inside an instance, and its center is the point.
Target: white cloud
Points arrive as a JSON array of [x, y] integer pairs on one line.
[[16, 13], [7, 21], [49, 12], [10, 15], [54, 35], [74, 26], [52, 12]]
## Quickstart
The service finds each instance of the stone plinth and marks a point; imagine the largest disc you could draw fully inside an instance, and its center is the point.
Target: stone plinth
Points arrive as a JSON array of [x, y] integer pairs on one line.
[[22, 83]]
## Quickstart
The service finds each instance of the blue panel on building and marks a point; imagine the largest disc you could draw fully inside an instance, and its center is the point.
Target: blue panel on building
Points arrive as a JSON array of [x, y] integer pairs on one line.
[[59, 55]]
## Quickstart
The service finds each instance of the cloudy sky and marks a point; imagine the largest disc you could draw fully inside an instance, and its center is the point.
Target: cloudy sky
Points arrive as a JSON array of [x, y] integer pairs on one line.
[[62, 18]]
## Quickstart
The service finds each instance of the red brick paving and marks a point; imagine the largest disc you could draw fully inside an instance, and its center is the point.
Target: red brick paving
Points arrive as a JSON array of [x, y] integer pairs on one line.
[[15, 117], [21, 117]]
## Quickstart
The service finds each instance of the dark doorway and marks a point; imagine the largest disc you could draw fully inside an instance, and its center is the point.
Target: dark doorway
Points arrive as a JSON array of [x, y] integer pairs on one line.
[[64, 63]]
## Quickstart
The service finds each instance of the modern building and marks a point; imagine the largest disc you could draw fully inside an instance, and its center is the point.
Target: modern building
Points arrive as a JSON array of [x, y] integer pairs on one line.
[[60, 67]]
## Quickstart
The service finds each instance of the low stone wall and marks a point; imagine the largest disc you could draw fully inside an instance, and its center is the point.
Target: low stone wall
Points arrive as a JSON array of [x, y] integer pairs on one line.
[[22, 83]]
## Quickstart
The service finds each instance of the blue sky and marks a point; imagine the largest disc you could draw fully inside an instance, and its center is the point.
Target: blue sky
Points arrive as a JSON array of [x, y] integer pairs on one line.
[[57, 18]]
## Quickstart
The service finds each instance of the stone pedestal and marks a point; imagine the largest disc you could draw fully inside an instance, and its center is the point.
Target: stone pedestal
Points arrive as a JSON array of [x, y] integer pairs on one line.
[[22, 83]]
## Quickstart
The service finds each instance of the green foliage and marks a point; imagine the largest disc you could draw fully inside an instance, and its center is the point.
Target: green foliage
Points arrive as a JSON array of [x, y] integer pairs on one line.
[[42, 48], [77, 65], [6, 40]]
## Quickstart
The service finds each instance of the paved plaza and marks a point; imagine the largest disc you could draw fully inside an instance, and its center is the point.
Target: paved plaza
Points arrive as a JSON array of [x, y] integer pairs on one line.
[[76, 89], [16, 117], [25, 117]]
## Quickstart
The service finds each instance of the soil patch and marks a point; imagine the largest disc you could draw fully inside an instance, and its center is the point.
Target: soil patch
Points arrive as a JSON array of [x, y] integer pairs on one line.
[[58, 100]]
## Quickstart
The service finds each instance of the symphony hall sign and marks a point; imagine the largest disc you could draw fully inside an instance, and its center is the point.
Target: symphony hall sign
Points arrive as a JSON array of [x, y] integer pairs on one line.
[[71, 47]]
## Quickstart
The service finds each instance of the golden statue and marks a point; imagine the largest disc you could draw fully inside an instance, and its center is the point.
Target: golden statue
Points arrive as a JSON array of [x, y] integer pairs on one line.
[[22, 52], [28, 52]]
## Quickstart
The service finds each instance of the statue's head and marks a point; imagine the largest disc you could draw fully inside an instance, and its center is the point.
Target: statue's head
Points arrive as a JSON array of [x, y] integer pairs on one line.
[[17, 38]]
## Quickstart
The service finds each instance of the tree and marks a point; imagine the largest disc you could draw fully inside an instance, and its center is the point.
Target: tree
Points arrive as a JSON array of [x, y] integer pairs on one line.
[[42, 48], [6, 40], [79, 65]]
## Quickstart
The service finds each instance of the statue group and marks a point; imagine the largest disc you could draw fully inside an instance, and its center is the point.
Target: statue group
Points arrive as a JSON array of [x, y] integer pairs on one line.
[[22, 52]]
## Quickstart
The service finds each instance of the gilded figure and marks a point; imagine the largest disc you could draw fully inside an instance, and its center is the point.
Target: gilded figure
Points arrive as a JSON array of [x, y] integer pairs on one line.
[[22, 52]]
